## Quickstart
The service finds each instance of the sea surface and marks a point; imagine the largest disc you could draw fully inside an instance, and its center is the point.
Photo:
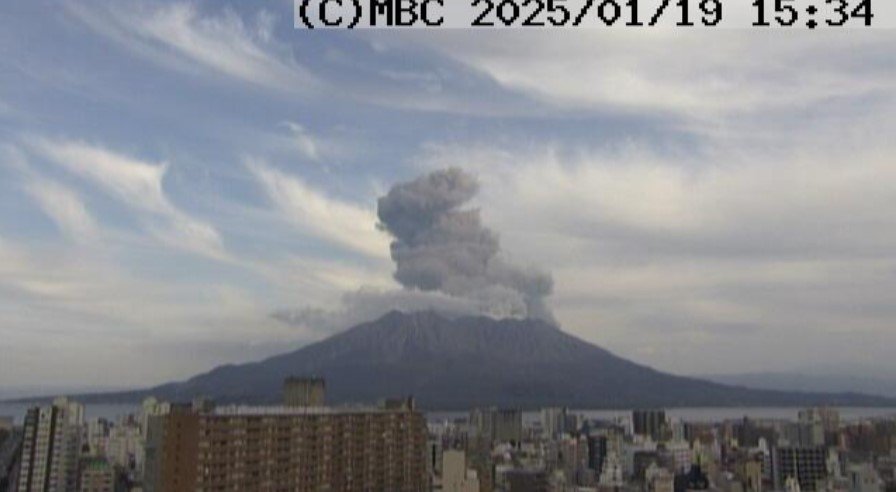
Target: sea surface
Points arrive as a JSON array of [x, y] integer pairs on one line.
[[700, 414]]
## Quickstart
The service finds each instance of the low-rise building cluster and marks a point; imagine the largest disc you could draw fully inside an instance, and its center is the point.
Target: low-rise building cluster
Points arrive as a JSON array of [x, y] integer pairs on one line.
[[558, 450], [304, 445]]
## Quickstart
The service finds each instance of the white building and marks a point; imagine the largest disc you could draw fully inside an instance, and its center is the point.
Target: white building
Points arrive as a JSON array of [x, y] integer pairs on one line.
[[51, 447], [456, 477], [125, 447], [97, 438], [152, 408]]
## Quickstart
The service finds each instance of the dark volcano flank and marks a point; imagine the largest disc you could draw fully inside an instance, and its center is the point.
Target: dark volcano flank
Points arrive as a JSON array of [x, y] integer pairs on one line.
[[458, 363]]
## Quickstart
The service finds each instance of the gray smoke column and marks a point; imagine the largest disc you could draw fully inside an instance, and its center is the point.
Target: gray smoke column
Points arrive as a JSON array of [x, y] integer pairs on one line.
[[441, 247]]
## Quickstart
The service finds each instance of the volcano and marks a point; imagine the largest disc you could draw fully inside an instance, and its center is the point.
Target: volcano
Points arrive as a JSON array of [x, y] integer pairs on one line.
[[456, 363]]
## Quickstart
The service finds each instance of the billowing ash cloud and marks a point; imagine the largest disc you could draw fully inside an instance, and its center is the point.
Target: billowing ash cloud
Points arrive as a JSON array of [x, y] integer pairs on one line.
[[445, 259], [441, 247]]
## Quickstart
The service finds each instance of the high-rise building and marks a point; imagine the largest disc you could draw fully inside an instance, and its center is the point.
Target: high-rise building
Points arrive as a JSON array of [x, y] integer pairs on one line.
[[97, 437], [287, 448], [481, 424], [304, 392], [649, 423], [597, 452], [497, 425], [151, 407], [554, 421], [807, 465], [51, 448], [508, 425], [125, 447], [10, 445], [819, 426]]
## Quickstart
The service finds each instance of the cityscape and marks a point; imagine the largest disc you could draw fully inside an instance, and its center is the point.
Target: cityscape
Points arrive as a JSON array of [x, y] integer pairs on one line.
[[303, 444]]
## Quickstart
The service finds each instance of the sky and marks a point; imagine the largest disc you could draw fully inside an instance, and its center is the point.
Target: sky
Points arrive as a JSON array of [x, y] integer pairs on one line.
[[179, 179]]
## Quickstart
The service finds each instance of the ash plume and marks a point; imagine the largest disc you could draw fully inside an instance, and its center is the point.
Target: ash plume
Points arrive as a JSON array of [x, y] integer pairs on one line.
[[445, 259], [441, 247]]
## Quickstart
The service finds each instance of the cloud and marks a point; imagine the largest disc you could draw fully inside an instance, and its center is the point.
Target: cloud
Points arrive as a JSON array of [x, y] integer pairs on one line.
[[63, 205], [66, 208], [304, 141], [138, 185], [12, 158], [727, 202], [40, 278], [181, 36], [341, 223], [652, 71], [109, 318], [441, 247]]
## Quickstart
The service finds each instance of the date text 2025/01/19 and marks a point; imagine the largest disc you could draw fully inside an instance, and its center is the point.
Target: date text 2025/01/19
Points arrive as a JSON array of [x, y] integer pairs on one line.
[[677, 13]]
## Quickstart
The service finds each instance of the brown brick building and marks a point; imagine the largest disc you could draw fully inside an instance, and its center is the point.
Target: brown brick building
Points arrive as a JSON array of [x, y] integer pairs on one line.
[[288, 449]]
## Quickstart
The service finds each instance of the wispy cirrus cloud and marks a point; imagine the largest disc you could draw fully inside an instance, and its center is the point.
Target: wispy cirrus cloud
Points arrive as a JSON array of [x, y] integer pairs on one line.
[[66, 208], [137, 185], [345, 224], [50, 294], [724, 203], [180, 36], [62, 204], [304, 141], [654, 71]]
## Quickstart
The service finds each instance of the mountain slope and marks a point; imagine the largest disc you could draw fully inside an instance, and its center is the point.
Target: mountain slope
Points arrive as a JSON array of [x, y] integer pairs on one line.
[[470, 361]]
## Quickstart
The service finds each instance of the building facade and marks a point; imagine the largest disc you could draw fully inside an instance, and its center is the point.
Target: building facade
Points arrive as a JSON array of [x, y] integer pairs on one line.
[[497, 425], [51, 448], [806, 465], [283, 448], [649, 423], [456, 477]]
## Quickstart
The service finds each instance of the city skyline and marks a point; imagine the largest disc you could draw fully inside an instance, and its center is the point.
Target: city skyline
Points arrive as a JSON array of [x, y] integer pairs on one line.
[[304, 444], [179, 179]]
